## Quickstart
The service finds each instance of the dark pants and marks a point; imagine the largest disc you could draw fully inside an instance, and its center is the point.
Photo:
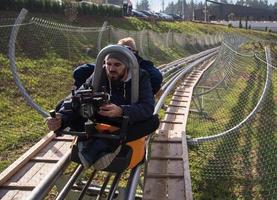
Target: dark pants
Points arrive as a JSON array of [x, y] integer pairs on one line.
[[136, 130], [92, 149], [143, 128]]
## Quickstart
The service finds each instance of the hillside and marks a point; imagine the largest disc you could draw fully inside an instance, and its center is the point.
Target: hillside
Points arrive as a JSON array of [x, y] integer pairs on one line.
[[46, 73]]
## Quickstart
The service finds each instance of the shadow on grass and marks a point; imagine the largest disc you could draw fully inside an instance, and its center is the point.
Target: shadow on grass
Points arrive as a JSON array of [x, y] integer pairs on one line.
[[267, 146], [221, 168]]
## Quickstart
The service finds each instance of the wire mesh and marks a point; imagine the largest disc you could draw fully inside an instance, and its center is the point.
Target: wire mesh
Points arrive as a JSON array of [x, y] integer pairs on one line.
[[241, 164], [46, 53]]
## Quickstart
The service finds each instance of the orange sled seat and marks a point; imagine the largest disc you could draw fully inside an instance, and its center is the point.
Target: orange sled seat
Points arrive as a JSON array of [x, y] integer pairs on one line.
[[130, 155]]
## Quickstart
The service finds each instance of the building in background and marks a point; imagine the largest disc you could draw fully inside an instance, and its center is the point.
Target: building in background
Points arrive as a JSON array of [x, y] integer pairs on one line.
[[225, 11], [116, 2]]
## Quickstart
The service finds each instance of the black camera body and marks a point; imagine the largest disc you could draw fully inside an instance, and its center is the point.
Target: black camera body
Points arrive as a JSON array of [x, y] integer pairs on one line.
[[86, 102]]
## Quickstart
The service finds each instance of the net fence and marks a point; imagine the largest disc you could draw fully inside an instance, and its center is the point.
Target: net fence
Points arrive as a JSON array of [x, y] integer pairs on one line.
[[43, 53], [240, 165], [233, 125]]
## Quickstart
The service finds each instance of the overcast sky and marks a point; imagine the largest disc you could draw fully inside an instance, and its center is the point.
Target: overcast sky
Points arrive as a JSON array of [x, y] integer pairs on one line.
[[156, 5]]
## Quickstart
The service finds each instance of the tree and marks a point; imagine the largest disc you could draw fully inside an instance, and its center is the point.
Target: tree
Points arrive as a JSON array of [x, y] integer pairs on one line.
[[240, 24], [240, 2], [143, 5]]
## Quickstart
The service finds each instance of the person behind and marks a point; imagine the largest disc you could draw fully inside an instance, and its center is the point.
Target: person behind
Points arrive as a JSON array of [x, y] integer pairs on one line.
[[117, 80], [156, 77], [130, 8], [83, 72], [125, 7]]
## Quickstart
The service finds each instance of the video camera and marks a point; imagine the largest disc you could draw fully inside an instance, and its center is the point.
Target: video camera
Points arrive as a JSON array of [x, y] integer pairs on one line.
[[87, 102]]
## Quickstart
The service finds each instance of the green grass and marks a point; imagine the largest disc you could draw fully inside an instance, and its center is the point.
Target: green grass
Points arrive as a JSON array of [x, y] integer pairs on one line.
[[47, 75], [20, 125], [240, 166]]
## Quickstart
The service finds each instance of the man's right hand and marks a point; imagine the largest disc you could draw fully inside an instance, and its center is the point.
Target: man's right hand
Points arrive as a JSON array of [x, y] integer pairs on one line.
[[54, 123]]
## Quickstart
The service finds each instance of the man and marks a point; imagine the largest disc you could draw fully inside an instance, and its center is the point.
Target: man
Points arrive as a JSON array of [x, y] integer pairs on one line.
[[125, 7], [130, 8], [83, 72], [117, 80]]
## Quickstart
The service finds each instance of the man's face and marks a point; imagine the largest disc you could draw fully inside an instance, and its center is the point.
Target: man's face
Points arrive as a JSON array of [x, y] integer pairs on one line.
[[115, 69]]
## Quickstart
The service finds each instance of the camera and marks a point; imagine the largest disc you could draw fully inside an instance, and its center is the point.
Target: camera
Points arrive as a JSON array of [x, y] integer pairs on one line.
[[86, 102]]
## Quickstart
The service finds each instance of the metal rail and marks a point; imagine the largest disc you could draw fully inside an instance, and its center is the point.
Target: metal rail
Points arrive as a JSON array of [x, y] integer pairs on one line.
[[136, 171], [196, 141], [41, 190], [37, 169]]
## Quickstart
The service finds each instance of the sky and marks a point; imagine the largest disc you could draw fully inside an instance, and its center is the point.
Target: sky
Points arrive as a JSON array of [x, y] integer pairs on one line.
[[156, 5]]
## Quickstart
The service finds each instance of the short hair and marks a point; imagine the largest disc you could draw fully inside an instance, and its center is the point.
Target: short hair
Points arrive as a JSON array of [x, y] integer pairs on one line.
[[128, 41]]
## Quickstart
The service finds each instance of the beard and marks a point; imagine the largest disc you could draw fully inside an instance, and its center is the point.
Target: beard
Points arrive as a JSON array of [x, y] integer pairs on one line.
[[115, 76]]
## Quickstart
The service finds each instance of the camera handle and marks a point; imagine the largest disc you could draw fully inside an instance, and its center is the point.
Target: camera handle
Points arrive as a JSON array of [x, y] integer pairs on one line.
[[121, 136], [53, 115], [60, 132]]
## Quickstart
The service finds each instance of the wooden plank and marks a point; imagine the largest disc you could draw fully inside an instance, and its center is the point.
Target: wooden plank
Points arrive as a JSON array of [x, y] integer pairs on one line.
[[62, 139], [174, 113], [28, 170], [178, 100], [21, 195], [175, 98], [40, 174], [45, 160], [172, 117], [176, 189], [155, 190], [166, 126], [188, 85], [167, 176], [162, 157], [188, 81], [154, 170], [176, 105], [17, 186], [32, 172], [31, 169], [159, 149], [177, 110], [190, 78], [181, 90], [169, 167], [55, 150], [170, 122], [165, 139], [169, 135], [169, 161], [21, 161], [6, 194], [55, 153], [176, 94]]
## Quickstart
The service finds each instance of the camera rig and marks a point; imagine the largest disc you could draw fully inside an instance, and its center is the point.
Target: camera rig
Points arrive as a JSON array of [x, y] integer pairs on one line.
[[86, 103]]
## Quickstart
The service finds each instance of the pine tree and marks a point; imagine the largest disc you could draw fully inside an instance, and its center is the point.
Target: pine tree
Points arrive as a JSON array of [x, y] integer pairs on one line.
[[240, 24], [143, 5]]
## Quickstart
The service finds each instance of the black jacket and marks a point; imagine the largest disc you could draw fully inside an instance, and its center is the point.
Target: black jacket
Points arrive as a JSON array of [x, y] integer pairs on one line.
[[121, 96]]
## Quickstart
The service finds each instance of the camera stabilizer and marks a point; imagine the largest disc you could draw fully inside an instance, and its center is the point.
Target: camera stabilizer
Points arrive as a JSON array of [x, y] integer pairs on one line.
[[86, 103]]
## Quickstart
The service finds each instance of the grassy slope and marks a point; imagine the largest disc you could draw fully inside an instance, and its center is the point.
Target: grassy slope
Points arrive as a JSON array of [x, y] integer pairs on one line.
[[20, 126]]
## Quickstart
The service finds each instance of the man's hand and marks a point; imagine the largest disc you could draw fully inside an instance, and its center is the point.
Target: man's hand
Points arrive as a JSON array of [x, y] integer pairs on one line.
[[110, 110], [54, 123]]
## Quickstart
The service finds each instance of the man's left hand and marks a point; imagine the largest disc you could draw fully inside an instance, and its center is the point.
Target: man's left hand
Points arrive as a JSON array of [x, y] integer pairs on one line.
[[110, 110]]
